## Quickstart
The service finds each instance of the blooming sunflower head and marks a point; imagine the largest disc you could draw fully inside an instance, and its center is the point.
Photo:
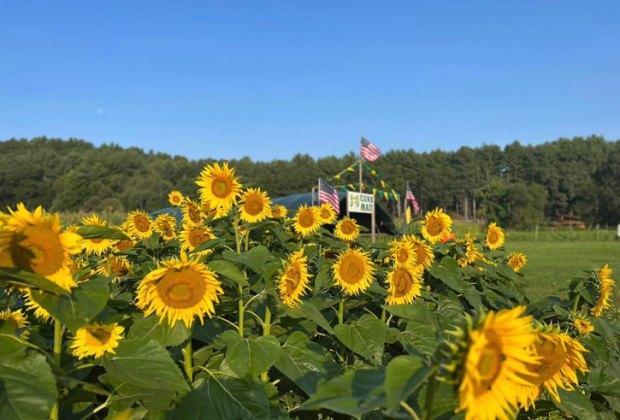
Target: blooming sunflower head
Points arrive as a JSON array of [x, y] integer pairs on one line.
[[166, 226], [194, 236], [403, 253], [307, 220], [328, 214], [353, 271], [255, 205], [404, 284], [279, 211], [192, 213], [139, 225], [423, 252], [34, 242], [96, 246], [347, 230], [96, 339], [179, 291], [605, 291], [495, 237], [115, 264], [175, 198], [583, 326], [219, 186], [517, 261], [17, 319], [294, 279], [436, 225]]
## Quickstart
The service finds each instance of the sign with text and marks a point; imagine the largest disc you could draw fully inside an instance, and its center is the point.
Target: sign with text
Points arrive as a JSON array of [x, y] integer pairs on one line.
[[360, 202]]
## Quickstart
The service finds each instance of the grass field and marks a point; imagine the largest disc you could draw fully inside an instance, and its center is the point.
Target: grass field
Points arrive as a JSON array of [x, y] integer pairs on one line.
[[551, 265]]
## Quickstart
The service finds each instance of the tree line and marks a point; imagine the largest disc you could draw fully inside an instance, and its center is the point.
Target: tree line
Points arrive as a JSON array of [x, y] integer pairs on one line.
[[518, 185]]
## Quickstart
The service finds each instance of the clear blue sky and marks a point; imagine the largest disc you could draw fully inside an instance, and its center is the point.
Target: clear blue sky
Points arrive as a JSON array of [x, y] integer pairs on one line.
[[269, 79]]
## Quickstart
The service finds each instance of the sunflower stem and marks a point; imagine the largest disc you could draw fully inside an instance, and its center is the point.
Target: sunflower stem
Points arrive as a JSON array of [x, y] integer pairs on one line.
[[409, 410], [576, 304], [188, 358], [383, 314], [430, 396], [58, 330], [341, 311], [266, 331], [241, 311]]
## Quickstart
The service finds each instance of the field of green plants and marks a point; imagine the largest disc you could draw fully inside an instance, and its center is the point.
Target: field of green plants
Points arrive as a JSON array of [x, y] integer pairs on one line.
[[232, 308]]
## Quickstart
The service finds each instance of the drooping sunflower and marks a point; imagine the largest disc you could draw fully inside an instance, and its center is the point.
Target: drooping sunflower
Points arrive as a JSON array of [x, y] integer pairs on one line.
[[403, 253], [605, 291], [219, 185], [495, 237], [307, 220], [38, 310], [179, 291], [139, 225], [166, 225], [353, 271], [194, 236], [405, 284], [328, 214], [115, 264], [175, 198], [34, 242], [583, 326], [423, 252], [517, 261], [279, 211], [294, 279], [96, 246], [96, 339], [255, 205], [347, 230], [192, 213], [497, 365], [436, 225], [18, 320]]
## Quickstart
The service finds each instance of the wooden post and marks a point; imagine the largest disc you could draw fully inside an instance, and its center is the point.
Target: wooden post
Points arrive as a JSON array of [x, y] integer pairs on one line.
[[372, 218]]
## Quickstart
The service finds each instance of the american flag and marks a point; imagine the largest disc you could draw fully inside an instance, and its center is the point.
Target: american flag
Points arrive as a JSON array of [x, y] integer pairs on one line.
[[369, 151], [328, 194], [411, 198]]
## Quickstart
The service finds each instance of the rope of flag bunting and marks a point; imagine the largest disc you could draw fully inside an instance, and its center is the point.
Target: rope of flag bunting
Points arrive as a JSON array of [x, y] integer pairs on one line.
[[385, 192]]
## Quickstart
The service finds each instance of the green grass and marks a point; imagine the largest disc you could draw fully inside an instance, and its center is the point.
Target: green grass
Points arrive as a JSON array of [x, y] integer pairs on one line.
[[552, 265]]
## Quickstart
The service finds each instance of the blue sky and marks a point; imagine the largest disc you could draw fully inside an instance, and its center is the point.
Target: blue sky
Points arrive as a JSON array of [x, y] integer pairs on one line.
[[269, 79]]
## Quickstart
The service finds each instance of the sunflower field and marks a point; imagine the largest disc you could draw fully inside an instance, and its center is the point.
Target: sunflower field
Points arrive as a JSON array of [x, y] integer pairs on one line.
[[230, 308]]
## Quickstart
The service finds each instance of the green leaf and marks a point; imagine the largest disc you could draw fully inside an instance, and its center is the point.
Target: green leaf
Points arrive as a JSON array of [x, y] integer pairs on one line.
[[309, 311], [224, 398], [449, 273], [256, 258], [418, 338], [403, 376], [81, 306], [27, 387], [575, 403], [228, 270], [28, 279], [150, 328], [101, 232], [418, 312], [354, 393], [304, 362], [249, 357], [365, 337], [211, 243]]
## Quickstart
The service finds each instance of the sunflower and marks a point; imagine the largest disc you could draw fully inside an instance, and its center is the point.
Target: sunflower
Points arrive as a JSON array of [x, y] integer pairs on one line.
[[114, 264], [423, 252], [18, 320], [583, 326], [403, 253], [347, 230], [96, 246], [192, 213], [255, 205], [405, 284], [166, 225], [279, 211], [219, 185], [96, 339], [436, 225], [175, 198], [307, 220], [517, 261], [178, 291], [495, 237], [194, 236], [328, 214], [353, 271], [294, 279], [124, 244], [605, 291], [139, 224], [38, 310], [34, 242], [499, 355], [211, 211]]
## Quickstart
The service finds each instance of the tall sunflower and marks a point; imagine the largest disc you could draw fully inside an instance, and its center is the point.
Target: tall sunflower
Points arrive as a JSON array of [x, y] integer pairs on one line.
[[18, 320], [166, 225], [353, 271], [436, 225], [497, 365], [34, 242], [495, 237], [328, 214], [605, 291], [194, 236], [96, 339], [423, 252], [255, 205], [347, 230], [279, 211], [405, 284], [96, 246], [179, 291], [517, 261], [192, 213], [307, 220], [219, 185], [294, 279], [115, 264], [175, 198], [403, 253], [139, 225]]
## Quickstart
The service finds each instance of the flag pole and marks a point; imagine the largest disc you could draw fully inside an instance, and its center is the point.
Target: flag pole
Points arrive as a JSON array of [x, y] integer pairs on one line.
[[360, 165]]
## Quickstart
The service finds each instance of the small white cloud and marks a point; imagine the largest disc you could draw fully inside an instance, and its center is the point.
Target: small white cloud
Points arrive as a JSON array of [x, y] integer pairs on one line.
[[100, 111]]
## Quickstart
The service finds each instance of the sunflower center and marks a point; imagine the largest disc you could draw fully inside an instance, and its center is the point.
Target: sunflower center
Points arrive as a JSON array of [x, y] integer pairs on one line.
[[176, 199], [402, 256], [352, 269], [97, 336], [197, 237], [142, 223], [194, 214], [434, 227], [306, 219], [402, 282], [489, 364], [553, 356], [493, 237], [181, 289], [293, 277], [38, 249], [253, 205], [118, 267], [124, 245], [325, 213], [167, 229], [347, 228], [420, 254], [221, 187]]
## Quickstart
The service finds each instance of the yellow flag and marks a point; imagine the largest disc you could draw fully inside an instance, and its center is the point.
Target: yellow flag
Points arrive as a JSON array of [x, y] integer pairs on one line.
[[408, 214]]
